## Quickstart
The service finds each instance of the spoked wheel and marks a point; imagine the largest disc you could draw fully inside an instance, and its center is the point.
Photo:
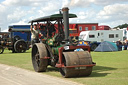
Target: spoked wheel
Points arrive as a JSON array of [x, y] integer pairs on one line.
[[1, 49], [20, 46], [39, 51], [79, 58], [37, 58]]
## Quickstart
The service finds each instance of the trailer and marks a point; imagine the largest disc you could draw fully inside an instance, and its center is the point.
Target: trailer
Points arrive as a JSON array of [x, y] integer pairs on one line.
[[94, 38]]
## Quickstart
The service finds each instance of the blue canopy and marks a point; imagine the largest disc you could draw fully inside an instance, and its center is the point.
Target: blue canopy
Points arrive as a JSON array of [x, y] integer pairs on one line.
[[106, 46]]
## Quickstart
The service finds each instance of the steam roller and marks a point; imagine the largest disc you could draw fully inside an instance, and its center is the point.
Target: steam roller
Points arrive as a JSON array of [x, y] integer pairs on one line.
[[58, 49]]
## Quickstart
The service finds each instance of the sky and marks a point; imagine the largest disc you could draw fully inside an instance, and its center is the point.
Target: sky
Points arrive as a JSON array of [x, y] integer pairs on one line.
[[103, 12]]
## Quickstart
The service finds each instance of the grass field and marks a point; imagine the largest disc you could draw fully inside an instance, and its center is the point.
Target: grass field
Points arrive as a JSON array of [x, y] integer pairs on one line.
[[111, 67]]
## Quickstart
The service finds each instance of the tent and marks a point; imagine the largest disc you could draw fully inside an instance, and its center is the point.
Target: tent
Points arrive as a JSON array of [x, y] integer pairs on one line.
[[106, 46]]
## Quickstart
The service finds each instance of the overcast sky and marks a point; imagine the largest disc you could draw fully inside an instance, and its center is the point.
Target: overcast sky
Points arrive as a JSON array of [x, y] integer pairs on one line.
[[104, 12]]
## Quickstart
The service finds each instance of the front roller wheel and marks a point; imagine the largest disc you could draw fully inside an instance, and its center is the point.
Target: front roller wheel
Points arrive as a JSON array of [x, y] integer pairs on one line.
[[74, 59], [39, 51]]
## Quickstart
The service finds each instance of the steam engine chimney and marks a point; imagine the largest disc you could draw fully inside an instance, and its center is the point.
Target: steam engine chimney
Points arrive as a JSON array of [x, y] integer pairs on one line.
[[66, 22]]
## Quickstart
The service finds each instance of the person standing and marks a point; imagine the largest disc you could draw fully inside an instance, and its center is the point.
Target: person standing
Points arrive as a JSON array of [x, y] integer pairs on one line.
[[35, 32], [125, 44], [119, 45]]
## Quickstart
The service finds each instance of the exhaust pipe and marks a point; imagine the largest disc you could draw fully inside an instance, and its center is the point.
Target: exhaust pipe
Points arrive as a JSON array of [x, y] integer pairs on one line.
[[66, 22]]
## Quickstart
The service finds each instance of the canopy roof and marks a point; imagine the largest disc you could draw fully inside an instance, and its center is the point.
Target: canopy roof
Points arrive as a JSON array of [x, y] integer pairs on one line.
[[52, 17]]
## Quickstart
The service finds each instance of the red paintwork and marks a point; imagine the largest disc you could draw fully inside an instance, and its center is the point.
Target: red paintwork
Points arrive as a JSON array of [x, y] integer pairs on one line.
[[45, 57], [83, 25], [103, 27], [61, 64], [77, 25], [73, 34]]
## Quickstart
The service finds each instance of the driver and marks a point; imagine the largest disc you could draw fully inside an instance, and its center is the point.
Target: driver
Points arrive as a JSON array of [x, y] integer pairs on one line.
[[35, 34]]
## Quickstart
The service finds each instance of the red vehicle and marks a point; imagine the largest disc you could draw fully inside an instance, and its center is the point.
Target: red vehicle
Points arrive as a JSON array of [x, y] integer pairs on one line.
[[83, 26], [104, 27]]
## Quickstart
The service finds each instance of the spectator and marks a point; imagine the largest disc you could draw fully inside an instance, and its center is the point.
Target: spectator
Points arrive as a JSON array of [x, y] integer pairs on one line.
[[125, 44], [119, 45]]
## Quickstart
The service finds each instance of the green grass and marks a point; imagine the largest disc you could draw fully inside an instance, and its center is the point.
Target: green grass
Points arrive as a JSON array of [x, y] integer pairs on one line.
[[22, 60], [111, 67]]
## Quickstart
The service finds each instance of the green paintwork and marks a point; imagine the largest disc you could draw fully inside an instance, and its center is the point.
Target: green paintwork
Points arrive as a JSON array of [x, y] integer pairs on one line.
[[55, 50], [50, 41], [52, 18]]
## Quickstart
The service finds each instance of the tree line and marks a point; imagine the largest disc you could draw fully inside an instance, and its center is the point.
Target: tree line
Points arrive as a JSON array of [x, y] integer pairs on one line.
[[122, 26]]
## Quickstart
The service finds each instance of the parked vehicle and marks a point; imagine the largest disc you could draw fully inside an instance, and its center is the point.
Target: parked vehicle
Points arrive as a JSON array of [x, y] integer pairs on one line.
[[14, 43], [94, 38], [19, 31]]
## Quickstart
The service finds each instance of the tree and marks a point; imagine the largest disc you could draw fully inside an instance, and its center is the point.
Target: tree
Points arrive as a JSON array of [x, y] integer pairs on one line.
[[122, 26]]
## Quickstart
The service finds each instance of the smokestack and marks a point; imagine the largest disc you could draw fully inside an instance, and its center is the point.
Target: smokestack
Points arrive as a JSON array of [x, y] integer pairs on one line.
[[66, 21]]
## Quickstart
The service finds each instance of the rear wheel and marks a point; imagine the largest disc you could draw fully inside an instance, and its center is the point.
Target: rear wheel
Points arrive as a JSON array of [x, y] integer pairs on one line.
[[20, 46], [39, 51], [1, 49]]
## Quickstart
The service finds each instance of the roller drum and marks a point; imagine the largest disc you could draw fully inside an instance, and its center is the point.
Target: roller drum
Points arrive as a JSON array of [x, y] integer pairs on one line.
[[75, 59]]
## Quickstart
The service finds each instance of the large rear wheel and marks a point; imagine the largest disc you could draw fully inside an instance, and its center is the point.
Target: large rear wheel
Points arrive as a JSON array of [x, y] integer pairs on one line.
[[39, 51], [20, 46]]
